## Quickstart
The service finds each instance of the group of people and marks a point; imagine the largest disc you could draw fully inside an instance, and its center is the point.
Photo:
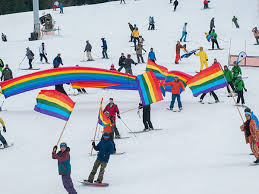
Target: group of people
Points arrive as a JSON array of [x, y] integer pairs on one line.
[[59, 5]]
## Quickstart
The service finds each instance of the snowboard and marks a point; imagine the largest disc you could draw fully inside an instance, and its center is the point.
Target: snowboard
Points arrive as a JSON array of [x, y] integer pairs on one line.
[[215, 102], [144, 131], [173, 110], [114, 138], [2, 148], [256, 44], [84, 182], [215, 49], [116, 154], [33, 69]]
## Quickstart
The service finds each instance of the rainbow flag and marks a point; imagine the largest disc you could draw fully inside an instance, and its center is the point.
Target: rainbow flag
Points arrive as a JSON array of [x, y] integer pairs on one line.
[[159, 71], [102, 118], [149, 89], [208, 36], [183, 77], [55, 104], [207, 80]]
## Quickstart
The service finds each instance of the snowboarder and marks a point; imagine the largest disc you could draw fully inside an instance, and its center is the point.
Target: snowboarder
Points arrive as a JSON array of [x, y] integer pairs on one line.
[[61, 8], [236, 70], [64, 166], [57, 61], [128, 62], [151, 23], [88, 50], [178, 51], [252, 135], [256, 34], [206, 4], [152, 55], [131, 29], [146, 116], [112, 68], [113, 111], [30, 56], [122, 1], [177, 88], [253, 117], [214, 39], [211, 93], [139, 53], [240, 87], [1, 65], [175, 4], [105, 149], [122, 62], [7, 73], [104, 46], [2, 139], [212, 24], [135, 34], [43, 52], [234, 20], [203, 58], [4, 37], [184, 33], [229, 77]]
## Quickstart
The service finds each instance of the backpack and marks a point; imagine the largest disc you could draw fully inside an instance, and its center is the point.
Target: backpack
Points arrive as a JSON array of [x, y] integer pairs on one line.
[[32, 53]]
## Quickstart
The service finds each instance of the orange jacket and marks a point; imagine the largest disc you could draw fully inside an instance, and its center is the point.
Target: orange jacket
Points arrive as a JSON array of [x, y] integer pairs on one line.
[[107, 129], [176, 86]]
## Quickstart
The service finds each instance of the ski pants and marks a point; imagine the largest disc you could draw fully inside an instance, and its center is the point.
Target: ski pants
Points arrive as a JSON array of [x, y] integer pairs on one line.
[[139, 56], [146, 120], [240, 95], [211, 93], [2, 139], [135, 41], [204, 63], [61, 10], [236, 24], [89, 55], [232, 87], [43, 56], [120, 68], [184, 35], [123, 1], [214, 41], [97, 164], [175, 7], [257, 40], [174, 96], [128, 71], [254, 147], [177, 58], [30, 62], [104, 52], [68, 184], [206, 5]]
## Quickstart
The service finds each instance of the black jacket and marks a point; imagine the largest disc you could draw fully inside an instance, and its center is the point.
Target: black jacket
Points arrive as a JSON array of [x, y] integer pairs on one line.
[[128, 63], [7, 74], [122, 61]]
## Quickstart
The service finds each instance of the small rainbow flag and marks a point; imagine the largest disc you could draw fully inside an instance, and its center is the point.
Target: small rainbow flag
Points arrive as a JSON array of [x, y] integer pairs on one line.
[[102, 118], [55, 104], [208, 36], [159, 71], [149, 89], [208, 80]]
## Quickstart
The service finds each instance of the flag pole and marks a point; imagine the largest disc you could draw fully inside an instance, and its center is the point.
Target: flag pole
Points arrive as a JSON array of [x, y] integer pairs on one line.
[[62, 133], [94, 136]]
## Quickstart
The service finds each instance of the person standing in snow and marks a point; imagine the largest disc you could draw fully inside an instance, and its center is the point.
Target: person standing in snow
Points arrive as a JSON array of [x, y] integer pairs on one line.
[[146, 116], [131, 29], [253, 117], [43, 52], [175, 4], [151, 23], [177, 88], [104, 46], [206, 4], [88, 50], [135, 34], [203, 58], [105, 148], [178, 51], [128, 62], [184, 33], [252, 135], [2, 139], [7, 73], [139, 53], [256, 34], [64, 166], [113, 111], [212, 24], [110, 130], [229, 77], [61, 8], [57, 61], [240, 87], [236, 70], [234, 20], [30, 56], [1, 65], [4, 37], [214, 39], [122, 62], [152, 55]]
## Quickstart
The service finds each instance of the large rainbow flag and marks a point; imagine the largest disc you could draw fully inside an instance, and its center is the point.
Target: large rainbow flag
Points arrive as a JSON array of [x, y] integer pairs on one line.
[[102, 118], [183, 77], [149, 89], [55, 104], [159, 71], [207, 80]]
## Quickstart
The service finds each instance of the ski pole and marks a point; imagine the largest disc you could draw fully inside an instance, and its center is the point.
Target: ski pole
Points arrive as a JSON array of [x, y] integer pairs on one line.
[[128, 110], [128, 127], [21, 62]]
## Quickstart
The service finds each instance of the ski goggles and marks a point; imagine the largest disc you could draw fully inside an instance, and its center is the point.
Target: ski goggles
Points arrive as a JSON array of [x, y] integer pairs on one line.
[[106, 137], [63, 144]]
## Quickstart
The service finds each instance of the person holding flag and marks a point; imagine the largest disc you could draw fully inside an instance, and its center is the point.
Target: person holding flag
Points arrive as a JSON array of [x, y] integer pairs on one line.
[[203, 58]]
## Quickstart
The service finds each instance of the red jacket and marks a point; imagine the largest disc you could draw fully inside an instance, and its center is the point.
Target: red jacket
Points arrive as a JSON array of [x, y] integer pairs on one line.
[[176, 86], [205, 2], [178, 48], [112, 109]]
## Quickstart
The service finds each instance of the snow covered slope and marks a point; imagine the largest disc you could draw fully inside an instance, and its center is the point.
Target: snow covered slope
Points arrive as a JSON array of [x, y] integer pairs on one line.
[[200, 150]]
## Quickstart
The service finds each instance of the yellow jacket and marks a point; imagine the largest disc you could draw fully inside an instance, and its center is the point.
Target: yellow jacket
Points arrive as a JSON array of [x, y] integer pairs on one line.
[[203, 55], [2, 122], [135, 33]]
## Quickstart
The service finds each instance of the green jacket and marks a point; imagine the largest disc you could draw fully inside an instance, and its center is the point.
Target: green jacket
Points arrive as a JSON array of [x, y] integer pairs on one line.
[[228, 75], [239, 85], [234, 20], [214, 35], [236, 71]]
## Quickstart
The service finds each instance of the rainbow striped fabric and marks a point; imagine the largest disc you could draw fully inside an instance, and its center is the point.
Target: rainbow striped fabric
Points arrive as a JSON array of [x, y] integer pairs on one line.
[[159, 71], [183, 77], [208, 80], [102, 118], [208, 36], [149, 89], [64, 75], [55, 104]]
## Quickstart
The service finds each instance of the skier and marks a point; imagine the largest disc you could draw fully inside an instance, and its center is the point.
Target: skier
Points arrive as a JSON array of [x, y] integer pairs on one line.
[[131, 29], [146, 116], [253, 117], [256, 34], [184, 33], [113, 111], [112, 68], [61, 8], [177, 88], [105, 149], [229, 77], [152, 55], [178, 50], [212, 24], [57, 61], [2, 139], [122, 62], [135, 34], [141, 41], [56, 4], [139, 53], [175, 4], [64, 166], [203, 58], [214, 39], [128, 62], [151, 23], [1, 65], [236, 70], [122, 1], [240, 87], [4, 37], [252, 135], [30, 56], [43, 52], [7, 73], [211, 93], [206, 4], [88, 49], [104, 46], [234, 20]]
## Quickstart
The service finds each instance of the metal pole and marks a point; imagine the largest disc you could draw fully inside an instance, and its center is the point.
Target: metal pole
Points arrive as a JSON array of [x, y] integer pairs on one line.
[[36, 16]]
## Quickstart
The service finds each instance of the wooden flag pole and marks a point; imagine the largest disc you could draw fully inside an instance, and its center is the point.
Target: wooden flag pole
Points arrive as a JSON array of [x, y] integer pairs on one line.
[[62, 132], [94, 136]]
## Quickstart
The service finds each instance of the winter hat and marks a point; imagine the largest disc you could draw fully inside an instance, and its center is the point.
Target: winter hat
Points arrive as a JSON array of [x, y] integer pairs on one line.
[[247, 110], [201, 47], [63, 144]]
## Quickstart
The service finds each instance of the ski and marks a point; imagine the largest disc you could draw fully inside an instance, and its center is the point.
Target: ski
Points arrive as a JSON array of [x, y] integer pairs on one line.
[[215, 49], [215, 102], [84, 182], [115, 154], [33, 69], [2, 148], [145, 131]]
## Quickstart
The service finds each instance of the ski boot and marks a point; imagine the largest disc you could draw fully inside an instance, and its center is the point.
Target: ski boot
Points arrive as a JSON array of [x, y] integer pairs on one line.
[[257, 161], [88, 181], [216, 101], [98, 181], [117, 136]]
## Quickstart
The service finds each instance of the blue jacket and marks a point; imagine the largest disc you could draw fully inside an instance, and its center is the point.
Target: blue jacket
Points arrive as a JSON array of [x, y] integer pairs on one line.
[[57, 61], [61, 6], [104, 44], [63, 158], [152, 56], [253, 117], [105, 148]]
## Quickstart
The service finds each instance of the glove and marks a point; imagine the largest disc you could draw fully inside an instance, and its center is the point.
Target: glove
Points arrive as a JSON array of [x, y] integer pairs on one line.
[[93, 144], [206, 59], [119, 116], [46, 54], [55, 148], [4, 129], [245, 89]]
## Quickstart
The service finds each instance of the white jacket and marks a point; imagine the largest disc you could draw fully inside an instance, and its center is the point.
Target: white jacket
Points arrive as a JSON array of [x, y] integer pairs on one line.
[[41, 49]]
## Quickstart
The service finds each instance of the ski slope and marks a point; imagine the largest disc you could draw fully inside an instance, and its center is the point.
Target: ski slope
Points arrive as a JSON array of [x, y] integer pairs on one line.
[[200, 150]]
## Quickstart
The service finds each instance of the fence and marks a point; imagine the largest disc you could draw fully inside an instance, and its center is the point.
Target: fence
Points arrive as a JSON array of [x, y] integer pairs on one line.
[[249, 61]]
